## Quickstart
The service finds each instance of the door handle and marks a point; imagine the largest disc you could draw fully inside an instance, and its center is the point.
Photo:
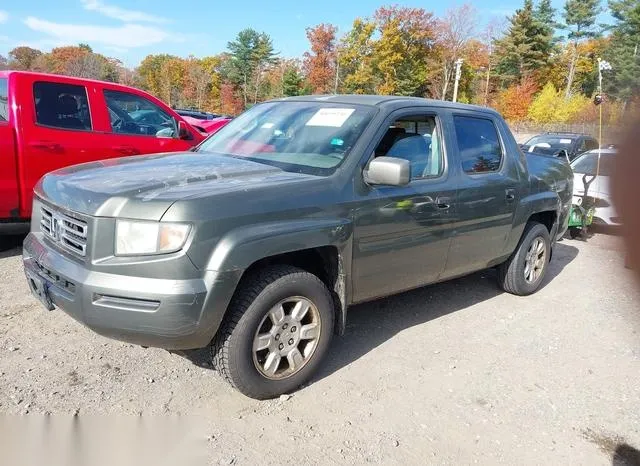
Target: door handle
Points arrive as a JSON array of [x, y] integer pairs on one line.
[[126, 150], [49, 146], [443, 203], [510, 195]]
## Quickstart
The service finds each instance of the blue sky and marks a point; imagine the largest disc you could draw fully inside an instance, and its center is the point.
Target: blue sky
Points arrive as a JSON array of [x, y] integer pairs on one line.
[[131, 30]]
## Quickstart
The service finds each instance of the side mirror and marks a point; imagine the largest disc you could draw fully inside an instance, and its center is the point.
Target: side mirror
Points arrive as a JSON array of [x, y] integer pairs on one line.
[[183, 131], [389, 171]]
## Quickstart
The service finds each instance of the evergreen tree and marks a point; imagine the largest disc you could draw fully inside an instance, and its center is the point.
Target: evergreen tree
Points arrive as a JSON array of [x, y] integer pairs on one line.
[[527, 45], [291, 82], [623, 52]]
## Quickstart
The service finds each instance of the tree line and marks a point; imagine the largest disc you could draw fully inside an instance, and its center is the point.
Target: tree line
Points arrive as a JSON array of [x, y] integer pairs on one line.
[[537, 65]]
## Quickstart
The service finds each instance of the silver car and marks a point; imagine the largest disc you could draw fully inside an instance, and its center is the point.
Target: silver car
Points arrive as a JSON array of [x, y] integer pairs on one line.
[[600, 188]]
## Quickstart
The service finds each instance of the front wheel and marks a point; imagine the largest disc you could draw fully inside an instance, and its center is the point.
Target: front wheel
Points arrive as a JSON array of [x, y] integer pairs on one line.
[[275, 333], [522, 274]]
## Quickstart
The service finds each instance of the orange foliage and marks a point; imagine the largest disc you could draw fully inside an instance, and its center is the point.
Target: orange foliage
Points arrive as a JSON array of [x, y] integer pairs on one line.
[[230, 102], [319, 63], [514, 102]]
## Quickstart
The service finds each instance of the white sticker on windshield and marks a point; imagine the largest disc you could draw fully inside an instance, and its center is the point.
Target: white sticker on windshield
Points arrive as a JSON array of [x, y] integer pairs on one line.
[[565, 141], [267, 126], [334, 117]]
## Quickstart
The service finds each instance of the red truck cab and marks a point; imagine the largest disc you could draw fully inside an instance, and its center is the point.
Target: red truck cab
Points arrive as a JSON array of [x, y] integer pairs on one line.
[[49, 122]]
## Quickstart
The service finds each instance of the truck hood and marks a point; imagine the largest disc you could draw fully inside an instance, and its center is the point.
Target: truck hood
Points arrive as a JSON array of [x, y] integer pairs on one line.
[[144, 187]]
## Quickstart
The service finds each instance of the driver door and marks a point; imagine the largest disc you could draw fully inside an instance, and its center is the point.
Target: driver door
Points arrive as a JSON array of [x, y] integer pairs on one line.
[[138, 126]]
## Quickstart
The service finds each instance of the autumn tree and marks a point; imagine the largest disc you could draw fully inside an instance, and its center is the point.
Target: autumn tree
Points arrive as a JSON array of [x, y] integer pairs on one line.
[[4, 63], [406, 39], [454, 32], [356, 58], [320, 62], [514, 101], [22, 58], [580, 20]]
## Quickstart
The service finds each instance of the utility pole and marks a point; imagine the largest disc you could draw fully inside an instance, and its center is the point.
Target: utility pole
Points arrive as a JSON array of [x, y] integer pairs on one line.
[[455, 86], [335, 85]]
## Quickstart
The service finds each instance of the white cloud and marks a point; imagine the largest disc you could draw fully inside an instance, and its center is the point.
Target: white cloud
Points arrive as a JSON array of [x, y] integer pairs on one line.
[[125, 36], [121, 14], [4, 16]]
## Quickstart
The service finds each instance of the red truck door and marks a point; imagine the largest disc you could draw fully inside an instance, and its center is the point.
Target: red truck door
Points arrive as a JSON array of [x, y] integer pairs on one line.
[[9, 200], [139, 124], [57, 129]]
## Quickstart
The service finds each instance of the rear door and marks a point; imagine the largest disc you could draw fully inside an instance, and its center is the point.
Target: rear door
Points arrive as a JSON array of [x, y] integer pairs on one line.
[[137, 125], [9, 200], [489, 189], [57, 129]]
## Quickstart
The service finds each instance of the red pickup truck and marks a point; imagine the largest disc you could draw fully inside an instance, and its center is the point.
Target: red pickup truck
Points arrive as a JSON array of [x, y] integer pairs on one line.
[[49, 122]]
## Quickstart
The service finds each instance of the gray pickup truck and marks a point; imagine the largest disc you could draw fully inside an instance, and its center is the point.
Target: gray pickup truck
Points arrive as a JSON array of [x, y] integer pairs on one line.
[[256, 243]]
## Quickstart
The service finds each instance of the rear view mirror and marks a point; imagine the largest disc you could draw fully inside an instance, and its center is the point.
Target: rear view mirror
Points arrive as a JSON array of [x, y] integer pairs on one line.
[[183, 131], [389, 171]]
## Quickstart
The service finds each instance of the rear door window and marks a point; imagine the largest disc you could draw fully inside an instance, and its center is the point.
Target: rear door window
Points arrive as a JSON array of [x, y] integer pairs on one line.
[[63, 106], [4, 99], [478, 143]]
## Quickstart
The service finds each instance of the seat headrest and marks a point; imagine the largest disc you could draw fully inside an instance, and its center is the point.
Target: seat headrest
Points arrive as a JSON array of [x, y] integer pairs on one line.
[[67, 105], [412, 145]]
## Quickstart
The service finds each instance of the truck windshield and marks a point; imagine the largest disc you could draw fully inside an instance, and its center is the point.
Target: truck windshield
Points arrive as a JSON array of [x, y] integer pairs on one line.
[[304, 137], [4, 99]]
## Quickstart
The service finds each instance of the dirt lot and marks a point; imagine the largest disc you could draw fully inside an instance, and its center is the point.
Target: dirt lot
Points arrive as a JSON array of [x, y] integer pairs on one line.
[[456, 373]]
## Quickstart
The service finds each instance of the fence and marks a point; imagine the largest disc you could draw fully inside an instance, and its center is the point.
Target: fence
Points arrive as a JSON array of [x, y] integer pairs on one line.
[[610, 134]]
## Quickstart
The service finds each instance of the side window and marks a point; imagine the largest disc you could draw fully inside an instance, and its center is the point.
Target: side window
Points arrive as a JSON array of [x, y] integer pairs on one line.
[[135, 115], [478, 143], [591, 144], [4, 99], [62, 106], [416, 139]]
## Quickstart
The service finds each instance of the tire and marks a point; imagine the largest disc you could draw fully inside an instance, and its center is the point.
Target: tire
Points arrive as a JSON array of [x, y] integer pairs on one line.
[[511, 274], [574, 232], [235, 349]]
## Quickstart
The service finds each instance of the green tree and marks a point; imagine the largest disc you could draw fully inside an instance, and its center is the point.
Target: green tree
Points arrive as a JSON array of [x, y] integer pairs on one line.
[[580, 20], [251, 53], [525, 48], [623, 51], [291, 81]]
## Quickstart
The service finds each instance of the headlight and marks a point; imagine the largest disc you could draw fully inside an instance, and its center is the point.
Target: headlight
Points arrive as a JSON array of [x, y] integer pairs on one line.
[[139, 238]]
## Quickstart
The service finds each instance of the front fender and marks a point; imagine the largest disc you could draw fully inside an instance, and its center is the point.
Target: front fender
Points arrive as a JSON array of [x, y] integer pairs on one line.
[[240, 248]]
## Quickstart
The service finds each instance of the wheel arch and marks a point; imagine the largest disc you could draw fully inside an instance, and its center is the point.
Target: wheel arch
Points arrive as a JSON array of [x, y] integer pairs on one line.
[[321, 247]]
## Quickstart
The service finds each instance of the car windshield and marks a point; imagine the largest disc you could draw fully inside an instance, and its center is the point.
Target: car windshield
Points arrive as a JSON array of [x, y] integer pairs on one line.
[[552, 143], [588, 164], [304, 137]]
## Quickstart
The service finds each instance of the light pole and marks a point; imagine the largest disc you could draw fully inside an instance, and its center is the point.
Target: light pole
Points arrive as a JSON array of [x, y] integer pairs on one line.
[[455, 86]]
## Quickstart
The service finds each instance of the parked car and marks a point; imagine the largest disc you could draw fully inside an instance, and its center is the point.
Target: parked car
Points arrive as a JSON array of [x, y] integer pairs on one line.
[[48, 122], [571, 144], [197, 114], [600, 188], [207, 127], [257, 243]]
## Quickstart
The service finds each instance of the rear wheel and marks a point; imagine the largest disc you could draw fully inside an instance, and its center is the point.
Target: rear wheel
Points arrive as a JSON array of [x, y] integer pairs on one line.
[[275, 333], [524, 272]]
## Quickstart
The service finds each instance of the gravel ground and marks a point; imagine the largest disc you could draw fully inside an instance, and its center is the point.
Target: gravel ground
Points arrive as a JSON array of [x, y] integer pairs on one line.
[[456, 373]]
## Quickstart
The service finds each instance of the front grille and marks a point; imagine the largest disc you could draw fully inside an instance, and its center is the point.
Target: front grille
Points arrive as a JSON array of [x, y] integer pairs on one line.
[[68, 232]]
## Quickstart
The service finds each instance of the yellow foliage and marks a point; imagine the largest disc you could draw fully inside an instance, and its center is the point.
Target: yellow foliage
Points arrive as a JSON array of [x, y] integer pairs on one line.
[[550, 106]]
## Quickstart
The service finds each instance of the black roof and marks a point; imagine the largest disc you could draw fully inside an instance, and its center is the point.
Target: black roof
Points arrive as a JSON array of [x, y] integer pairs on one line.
[[386, 101], [563, 133]]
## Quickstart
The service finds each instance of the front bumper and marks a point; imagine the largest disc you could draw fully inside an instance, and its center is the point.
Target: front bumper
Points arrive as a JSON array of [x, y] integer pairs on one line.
[[165, 313]]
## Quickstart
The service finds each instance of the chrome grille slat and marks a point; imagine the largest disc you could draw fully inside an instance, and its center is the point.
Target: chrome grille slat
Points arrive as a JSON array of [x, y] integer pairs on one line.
[[68, 232]]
